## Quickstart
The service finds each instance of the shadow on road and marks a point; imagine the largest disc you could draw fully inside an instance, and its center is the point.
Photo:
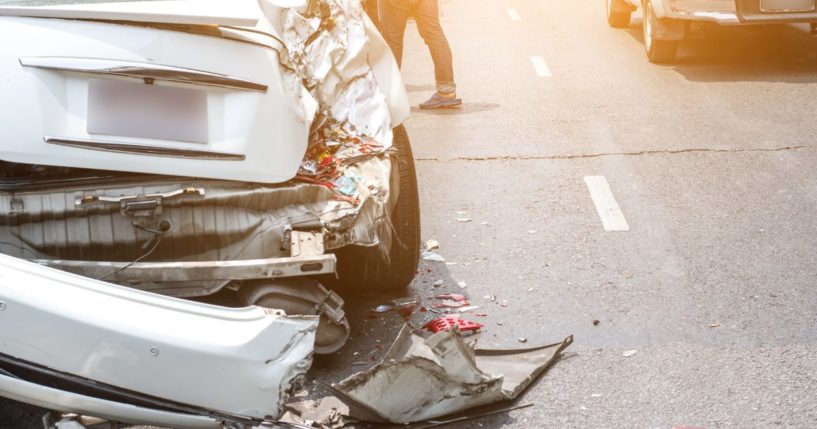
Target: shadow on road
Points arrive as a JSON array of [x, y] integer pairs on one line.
[[712, 53], [465, 108]]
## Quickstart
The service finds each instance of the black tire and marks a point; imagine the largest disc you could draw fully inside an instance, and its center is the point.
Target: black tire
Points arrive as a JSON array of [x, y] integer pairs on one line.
[[658, 51], [618, 13], [365, 269]]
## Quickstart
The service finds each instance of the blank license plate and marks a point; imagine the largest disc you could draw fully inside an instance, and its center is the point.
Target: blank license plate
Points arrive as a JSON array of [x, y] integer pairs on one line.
[[786, 5], [128, 109]]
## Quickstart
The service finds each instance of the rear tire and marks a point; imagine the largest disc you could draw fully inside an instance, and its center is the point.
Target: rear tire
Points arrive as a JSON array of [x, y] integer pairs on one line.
[[364, 268], [618, 14], [658, 51]]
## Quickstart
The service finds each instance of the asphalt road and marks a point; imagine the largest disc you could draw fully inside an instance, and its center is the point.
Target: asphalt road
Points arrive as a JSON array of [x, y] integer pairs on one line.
[[711, 161]]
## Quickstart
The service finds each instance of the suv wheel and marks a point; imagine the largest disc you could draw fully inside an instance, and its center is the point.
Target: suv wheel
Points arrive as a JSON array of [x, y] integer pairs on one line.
[[618, 14], [658, 51], [365, 269]]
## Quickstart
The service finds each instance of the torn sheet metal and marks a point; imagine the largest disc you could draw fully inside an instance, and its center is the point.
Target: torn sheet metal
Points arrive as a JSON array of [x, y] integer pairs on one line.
[[326, 69], [232, 363], [421, 379]]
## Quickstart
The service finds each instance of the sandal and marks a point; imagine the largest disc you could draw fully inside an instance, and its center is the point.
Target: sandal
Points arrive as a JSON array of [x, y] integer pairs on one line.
[[438, 102]]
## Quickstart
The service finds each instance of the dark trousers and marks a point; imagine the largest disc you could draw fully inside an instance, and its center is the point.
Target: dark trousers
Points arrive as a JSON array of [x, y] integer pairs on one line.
[[393, 16]]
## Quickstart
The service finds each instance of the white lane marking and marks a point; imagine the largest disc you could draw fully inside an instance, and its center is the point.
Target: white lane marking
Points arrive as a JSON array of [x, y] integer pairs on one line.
[[540, 66], [606, 205], [514, 14]]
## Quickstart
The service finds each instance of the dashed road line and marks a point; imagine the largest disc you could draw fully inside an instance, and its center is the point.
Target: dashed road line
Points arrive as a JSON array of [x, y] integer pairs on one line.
[[606, 206], [514, 15], [540, 66]]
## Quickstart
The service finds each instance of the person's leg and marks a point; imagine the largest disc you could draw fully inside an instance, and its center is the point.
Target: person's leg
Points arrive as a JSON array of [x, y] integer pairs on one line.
[[393, 16], [427, 14]]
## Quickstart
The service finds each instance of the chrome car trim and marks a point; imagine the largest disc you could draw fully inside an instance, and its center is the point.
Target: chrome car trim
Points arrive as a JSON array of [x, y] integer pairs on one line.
[[141, 70], [134, 149], [55, 399], [198, 270]]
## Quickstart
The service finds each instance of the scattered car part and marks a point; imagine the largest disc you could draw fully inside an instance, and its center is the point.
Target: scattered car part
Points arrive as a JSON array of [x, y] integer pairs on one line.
[[447, 323], [75, 344], [421, 379], [303, 296]]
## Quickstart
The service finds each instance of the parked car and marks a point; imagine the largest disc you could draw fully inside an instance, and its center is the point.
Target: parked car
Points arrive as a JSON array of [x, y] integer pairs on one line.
[[666, 21], [180, 149]]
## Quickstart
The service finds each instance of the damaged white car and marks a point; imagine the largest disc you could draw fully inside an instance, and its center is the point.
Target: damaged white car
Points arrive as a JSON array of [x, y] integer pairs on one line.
[[183, 149]]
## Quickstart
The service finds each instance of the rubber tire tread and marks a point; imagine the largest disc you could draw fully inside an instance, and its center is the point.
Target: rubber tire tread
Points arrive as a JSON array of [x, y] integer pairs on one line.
[[364, 268], [618, 19], [661, 51]]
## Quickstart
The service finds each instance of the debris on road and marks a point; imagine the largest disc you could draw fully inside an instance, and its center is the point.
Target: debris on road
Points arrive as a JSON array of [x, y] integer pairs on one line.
[[452, 296], [715, 325], [438, 283], [629, 353], [523, 340], [432, 244], [468, 308], [596, 322], [425, 378], [464, 219], [462, 285], [446, 323], [430, 256]]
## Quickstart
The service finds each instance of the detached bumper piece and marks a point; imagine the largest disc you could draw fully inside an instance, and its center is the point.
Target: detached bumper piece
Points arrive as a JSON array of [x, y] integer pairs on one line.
[[426, 378], [74, 344]]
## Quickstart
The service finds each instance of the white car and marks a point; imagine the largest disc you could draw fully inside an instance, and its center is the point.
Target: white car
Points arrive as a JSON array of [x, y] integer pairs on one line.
[[181, 149], [666, 21]]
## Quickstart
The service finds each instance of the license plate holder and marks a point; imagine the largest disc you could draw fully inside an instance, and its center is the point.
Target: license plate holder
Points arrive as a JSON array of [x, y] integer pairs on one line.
[[138, 110], [783, 6]]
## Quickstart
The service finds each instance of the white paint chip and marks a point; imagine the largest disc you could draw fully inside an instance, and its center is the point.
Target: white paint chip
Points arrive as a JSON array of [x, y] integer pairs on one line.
[[514, 15], [540, 66], [606, 206]]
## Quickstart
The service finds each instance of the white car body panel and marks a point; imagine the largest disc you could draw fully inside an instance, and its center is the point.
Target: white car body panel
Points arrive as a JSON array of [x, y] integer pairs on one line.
[[240, 362], [203, 12], [255, 136], [58, 400]]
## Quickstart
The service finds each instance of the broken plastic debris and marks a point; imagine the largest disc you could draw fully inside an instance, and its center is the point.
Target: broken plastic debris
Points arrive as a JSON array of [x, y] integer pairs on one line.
[[531, 231], [432, 244], [420, 379], [523, 340], [464, 219], [629, 353], [438, 283], [454, 296], [462, 285], [468, 308], [447, 323], [715, 325], [383, 308], [431, 256]]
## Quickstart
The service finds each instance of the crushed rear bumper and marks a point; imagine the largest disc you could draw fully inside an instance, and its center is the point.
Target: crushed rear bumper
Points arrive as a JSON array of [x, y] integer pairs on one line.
[[75, 344]]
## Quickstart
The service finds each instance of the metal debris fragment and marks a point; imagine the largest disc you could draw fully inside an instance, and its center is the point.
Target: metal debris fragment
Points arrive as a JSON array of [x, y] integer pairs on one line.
[[426, 378], [428, 255]]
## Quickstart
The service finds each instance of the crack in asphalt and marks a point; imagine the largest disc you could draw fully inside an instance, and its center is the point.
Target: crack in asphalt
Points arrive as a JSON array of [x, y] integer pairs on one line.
[[603, 154]]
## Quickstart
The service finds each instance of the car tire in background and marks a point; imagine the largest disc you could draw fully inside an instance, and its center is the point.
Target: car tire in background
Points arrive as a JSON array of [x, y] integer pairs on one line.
[[658, 50], [365, 268], [618, 13]]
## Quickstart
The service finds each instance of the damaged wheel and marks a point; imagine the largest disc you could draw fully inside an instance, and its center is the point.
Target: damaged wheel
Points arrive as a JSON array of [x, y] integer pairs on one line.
[[366, 269]]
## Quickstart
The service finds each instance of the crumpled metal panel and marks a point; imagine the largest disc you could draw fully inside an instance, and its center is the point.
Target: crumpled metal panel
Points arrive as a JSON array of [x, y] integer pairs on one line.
[[234, 361], [424, 378], [326, 69]]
